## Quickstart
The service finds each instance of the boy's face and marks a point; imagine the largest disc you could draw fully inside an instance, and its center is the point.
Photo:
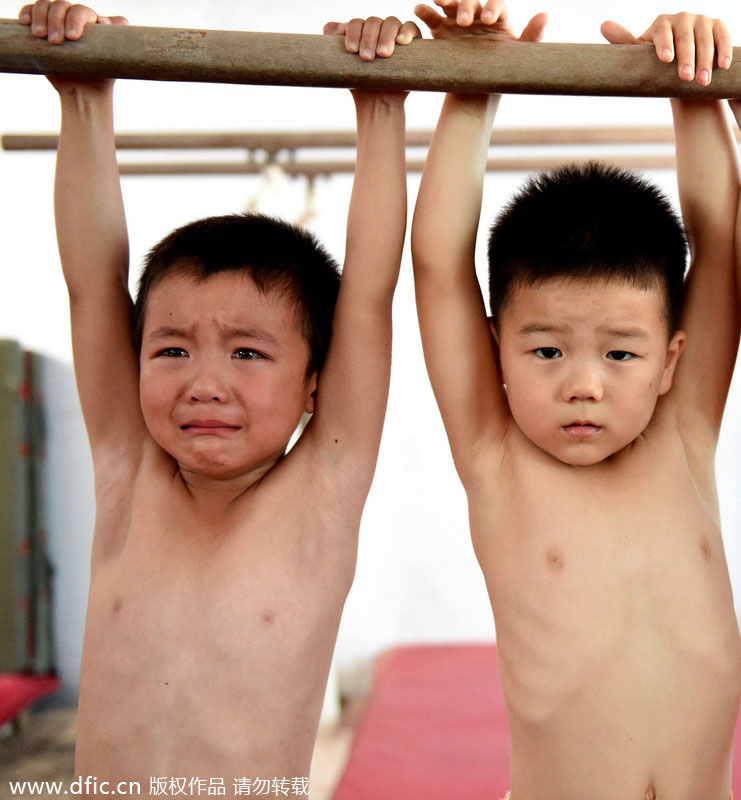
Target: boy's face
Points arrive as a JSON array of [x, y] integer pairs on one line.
[[584, 363], [223, 374]]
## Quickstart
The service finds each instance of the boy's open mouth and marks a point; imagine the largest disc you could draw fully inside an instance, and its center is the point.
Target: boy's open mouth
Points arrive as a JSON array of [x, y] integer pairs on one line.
[[582, 429]]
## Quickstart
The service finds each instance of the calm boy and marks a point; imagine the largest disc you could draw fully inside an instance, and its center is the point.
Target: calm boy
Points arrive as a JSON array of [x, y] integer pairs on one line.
[[220, 565], [582, 419]]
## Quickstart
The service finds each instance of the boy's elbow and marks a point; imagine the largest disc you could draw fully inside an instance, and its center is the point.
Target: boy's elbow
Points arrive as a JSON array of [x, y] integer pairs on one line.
[[428, 245], [421, 255], [426, 258]]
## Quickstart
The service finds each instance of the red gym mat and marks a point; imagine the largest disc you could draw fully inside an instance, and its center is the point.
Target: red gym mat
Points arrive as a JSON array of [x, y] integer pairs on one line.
[[19, 691], [435, 728]]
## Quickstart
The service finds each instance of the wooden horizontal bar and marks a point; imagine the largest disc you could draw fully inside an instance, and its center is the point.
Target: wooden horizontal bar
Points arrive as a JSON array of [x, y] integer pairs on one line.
[[314, 169], [280, 59], [273, 141]]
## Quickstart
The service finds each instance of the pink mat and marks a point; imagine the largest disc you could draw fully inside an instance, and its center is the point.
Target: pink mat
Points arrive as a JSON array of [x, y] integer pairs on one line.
[[435, 728]]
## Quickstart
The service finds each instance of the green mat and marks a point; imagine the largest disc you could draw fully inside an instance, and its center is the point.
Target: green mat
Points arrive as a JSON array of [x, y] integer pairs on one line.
[[25, 570]]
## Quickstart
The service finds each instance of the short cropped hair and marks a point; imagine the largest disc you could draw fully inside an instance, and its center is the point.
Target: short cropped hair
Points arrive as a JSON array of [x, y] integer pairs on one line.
[[277, 256], [588, 221]]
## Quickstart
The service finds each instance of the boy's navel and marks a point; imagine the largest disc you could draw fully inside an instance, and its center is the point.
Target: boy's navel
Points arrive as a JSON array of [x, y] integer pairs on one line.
[[267, 616], [117, 605]]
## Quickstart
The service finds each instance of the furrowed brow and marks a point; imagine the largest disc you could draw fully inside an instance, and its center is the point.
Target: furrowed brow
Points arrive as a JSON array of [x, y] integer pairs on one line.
[[168, 331], [255, 334]]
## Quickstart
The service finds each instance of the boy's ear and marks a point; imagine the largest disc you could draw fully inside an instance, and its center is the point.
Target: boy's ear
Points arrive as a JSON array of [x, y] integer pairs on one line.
[[495, 340], [673, 352], [311, 385]]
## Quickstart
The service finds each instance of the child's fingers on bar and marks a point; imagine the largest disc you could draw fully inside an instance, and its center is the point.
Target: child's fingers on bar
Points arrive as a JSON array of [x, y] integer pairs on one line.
[[704, 50], [334, 28], [39, 13], [353, 32], [369, 38], [56, 21], [467, 10], [451, 9], [533, 31], [723, 45], [493, 11], [684, 45], [661, 35], [429, 16], [387, 36], [408, 31], [615, 33], [77, 17]]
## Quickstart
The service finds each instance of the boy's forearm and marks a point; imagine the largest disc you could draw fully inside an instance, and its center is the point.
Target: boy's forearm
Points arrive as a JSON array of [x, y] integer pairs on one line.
[[736, 109], [448, 206], [89, 212], [353, 384], [707, 176], [378, 206], [707, 172]]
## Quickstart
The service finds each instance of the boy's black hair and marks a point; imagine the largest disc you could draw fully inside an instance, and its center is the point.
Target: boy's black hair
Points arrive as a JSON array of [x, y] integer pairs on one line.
[[276, 255], [589, 221]]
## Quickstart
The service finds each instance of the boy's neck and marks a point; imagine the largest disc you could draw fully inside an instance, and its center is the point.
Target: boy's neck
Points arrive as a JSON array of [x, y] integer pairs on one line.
[[216, 495]]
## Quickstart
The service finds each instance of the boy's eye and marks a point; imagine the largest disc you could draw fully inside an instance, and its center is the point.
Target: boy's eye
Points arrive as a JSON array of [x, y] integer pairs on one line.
[[548, 352], [246, 353], [173, 352], [620, 355]]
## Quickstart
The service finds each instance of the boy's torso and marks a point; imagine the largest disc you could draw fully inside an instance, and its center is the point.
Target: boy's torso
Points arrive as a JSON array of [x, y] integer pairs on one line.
[[618, 645], [208, 641]]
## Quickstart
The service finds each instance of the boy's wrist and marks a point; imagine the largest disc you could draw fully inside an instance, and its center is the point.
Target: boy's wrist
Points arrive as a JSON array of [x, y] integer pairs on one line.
[[480, 107], [379, 100], [375, 108], [85, 102], [83, 91], [475, 100]]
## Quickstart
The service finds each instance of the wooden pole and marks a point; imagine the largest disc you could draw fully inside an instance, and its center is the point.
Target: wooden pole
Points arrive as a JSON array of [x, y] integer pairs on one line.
[[468, 65], [314, 169], [274, 141]]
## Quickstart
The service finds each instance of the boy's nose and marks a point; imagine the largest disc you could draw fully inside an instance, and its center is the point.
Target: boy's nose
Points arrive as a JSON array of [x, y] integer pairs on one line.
[[583, 384], [207, 387]]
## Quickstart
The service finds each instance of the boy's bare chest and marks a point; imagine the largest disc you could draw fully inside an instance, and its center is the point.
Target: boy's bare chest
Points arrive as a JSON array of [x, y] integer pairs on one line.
[[581, 562], [192, 617], [229, 581], [601, 547], [645, 504]]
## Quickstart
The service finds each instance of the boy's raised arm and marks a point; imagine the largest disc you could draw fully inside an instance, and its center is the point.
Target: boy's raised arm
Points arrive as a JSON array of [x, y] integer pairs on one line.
[[458, 345], [736, 108], [353, 385], [707, 175], [93, 242]]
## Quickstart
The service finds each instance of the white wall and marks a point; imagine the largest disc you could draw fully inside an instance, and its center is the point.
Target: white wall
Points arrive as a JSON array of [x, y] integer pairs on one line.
[[417, 578]]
